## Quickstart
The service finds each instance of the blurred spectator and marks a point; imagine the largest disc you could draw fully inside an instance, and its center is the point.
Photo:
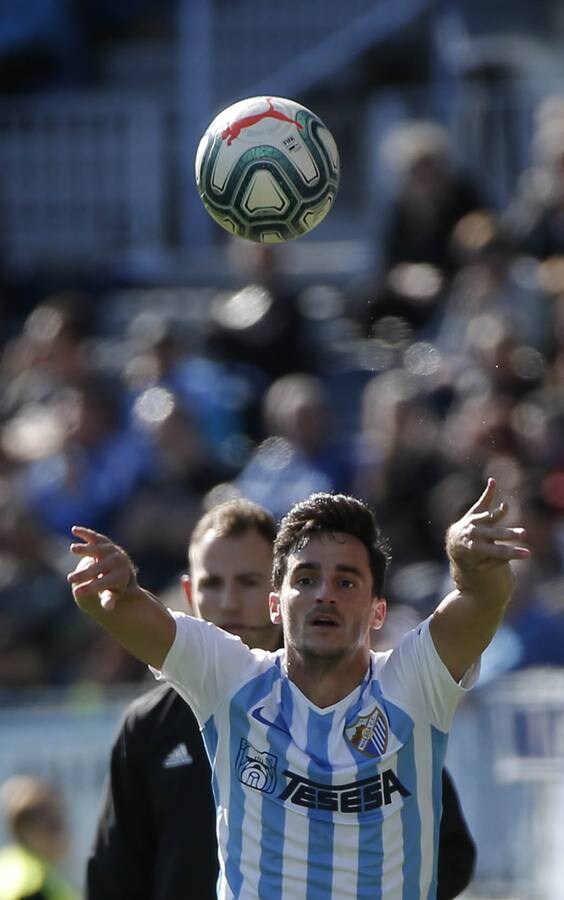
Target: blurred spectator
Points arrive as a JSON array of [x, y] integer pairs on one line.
[[432, 196], [156, 521], [479, 426], [495, 358], [102, 662], [53, 472], [215, 395], [398, 462], [261, 324], [40, 632], [301, 453], [95, 468], [535, 217], [411, 292], [29, 867], [494, 277], [53, 350]]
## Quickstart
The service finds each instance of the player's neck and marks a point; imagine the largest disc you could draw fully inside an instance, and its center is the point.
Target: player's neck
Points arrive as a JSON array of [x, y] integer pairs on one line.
[[326, 681]]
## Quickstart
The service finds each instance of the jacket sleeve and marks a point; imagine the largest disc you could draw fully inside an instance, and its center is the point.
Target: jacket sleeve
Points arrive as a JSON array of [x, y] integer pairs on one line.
[[457, 851], [120, 863]]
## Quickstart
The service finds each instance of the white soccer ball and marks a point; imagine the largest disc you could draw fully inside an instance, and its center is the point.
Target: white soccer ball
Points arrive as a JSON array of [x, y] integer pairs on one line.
[[267, 169]]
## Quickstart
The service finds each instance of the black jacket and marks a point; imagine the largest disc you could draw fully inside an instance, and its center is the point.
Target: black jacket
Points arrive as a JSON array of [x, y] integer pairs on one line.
[[156, 832], [457, 851]]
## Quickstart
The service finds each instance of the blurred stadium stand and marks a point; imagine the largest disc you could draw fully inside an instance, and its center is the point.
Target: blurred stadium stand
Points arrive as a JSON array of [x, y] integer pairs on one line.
[[106, 173], [82, 178]]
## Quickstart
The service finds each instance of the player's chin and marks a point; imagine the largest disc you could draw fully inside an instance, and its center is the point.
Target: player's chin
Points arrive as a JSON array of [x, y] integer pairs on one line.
[[324, 648]]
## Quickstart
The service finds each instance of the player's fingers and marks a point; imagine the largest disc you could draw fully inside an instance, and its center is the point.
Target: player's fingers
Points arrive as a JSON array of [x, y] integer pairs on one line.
[[103, 585], [80, 574], [88, 568], [484, 501], [84, 590], [97, 550], [490, 515], [510, 551], [113, 571], [502, 552], [499, 533], [108, 600], [89, 535], [106, 581]]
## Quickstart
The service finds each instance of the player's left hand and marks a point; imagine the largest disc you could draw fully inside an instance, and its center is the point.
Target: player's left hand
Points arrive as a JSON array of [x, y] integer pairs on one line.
[[480, 547]]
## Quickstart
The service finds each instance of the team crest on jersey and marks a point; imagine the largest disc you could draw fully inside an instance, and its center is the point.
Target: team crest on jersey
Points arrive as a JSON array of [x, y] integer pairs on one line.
[[256, 769], [369, 734]]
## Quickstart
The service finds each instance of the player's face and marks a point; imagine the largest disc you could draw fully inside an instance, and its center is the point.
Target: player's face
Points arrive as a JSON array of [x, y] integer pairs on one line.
[[326, 601], [229, 586]]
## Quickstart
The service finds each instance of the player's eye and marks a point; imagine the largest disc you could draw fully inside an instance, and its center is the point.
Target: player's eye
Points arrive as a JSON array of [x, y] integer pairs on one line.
[[210, 583], [250, 581], [305, 581]]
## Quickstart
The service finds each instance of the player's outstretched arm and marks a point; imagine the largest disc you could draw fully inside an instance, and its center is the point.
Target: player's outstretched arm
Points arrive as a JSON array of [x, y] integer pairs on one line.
[[104, 585], [480, 548]]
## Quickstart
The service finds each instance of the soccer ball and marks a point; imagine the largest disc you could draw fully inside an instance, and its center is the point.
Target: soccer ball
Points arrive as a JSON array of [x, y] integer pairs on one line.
[[267, 169]]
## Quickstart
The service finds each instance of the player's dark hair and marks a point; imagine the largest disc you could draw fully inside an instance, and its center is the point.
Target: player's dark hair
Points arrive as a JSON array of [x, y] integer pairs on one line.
[[232, 519], [330, 513]]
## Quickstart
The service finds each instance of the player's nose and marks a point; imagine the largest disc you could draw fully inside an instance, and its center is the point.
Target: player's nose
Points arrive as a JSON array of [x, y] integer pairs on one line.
[[324, 592], [229, 598]]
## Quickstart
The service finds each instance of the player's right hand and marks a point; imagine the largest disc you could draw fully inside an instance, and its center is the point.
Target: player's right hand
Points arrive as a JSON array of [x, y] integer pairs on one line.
[[104, 571]]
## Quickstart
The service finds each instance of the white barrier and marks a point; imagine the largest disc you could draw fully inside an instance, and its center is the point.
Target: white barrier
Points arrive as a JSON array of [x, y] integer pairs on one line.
[[506, 754], [69, 746]]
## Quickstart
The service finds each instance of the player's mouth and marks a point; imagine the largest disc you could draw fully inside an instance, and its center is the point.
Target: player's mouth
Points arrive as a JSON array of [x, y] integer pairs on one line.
[[324, 620]]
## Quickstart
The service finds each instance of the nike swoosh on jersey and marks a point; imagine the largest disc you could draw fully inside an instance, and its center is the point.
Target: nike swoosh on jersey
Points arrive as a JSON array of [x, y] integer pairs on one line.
[[257, 714]]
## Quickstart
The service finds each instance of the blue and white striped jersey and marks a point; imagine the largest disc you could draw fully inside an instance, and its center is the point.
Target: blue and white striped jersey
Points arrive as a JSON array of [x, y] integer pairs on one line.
[[320, 804]]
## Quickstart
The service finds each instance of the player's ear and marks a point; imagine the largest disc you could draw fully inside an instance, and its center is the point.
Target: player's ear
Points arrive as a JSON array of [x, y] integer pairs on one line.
[[186, 583], [378, 613], [274, 606]]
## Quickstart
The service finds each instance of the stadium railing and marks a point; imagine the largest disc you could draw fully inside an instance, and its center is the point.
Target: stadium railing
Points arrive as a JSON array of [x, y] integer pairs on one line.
[[506, 754]]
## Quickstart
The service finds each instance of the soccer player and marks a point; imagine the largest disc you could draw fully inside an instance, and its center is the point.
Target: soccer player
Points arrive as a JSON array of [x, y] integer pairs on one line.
[[327, 757], [156, 831]]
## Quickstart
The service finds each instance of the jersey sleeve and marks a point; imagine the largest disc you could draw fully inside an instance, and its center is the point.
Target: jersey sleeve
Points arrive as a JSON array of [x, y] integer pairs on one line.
[[204, 664], [415, 677]]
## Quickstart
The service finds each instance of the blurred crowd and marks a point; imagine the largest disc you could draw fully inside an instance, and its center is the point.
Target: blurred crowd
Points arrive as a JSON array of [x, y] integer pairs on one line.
[[407, 386]]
